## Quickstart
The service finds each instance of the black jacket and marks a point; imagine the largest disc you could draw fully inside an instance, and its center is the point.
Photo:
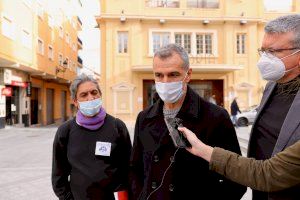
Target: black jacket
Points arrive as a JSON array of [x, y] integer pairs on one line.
[[91, 176], [234, 108], [189, 176]]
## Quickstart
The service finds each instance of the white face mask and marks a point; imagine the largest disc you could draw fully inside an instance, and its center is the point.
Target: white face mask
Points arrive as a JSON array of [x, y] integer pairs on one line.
[[170, 92], [272, 68], [90, 108]]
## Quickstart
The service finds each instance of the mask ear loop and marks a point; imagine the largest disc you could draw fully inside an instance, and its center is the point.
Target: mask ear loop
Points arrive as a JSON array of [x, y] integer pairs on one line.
[[290, 54], [186, 74]]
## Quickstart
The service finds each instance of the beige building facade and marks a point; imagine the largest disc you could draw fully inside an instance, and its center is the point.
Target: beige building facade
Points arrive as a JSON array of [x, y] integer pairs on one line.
[[39, 46], [220, 36]]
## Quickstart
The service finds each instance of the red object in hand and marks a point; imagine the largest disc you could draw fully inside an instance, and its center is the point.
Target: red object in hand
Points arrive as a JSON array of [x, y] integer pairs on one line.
[[121, 195]]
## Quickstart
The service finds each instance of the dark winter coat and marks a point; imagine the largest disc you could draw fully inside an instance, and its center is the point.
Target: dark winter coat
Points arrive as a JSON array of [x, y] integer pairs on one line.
[[234, 108], [189, 176]]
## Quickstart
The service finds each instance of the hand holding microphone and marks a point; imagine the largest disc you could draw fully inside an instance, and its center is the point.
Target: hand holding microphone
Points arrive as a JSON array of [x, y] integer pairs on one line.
[[198, 147]]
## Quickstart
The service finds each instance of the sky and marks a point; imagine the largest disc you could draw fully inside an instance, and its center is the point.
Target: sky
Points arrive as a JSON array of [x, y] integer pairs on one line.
[[282, 5], [90, 35]]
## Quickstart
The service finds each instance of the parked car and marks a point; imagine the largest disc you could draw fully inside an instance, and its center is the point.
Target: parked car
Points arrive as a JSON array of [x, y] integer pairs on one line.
[[247, 117]]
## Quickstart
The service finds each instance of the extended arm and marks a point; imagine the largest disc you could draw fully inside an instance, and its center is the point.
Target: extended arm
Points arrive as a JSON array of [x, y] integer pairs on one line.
[[277, 173]]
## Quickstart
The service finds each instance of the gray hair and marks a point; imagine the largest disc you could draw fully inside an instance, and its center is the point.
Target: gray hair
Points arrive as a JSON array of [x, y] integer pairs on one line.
[[79, 80], [286, 24], [168, 51]]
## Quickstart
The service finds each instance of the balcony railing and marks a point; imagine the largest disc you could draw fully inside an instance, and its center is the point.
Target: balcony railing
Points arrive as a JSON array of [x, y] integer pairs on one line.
[[203, 3], [79, 41], [162, 3], [79, 60], [79, 20]]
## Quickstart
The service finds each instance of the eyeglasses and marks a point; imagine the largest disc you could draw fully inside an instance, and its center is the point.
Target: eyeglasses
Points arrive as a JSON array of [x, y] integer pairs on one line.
[[273, 51]]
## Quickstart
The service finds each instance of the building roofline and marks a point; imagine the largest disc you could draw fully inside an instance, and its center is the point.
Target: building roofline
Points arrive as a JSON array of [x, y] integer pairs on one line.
[[104, 17]]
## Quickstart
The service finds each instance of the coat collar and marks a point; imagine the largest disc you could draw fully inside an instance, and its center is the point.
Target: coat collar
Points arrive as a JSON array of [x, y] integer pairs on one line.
[[190, 106]]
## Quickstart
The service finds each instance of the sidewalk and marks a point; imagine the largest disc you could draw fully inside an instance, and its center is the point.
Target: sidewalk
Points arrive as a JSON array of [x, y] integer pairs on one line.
[[25, 162]]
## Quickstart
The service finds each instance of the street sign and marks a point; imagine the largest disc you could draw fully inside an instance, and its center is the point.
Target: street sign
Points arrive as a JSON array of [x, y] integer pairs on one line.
[[7, 91], [18, 83], [28, 89]]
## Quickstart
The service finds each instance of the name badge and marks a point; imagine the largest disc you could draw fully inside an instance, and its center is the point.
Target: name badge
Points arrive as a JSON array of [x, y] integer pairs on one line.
[[103, 148]]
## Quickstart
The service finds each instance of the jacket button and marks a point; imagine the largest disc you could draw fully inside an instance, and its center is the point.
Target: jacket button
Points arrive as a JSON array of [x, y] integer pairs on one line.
[[171, 187], [172, 159], [156, 159], [153, 185], [221, 181]]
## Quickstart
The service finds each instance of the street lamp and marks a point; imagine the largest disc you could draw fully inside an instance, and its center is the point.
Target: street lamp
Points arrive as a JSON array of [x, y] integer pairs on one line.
[[62, 68]]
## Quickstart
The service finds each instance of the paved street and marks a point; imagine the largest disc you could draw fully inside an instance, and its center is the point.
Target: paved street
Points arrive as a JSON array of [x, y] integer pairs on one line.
[[25, 162]]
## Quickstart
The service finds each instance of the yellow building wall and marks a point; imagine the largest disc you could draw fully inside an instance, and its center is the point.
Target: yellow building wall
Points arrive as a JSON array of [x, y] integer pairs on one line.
[[37, 68], [12, 49], [50, 36]]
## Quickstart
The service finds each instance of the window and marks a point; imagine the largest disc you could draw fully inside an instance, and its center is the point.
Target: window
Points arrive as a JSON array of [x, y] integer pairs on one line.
[[67, 38], [163, 3], [240, 43], [40, 49], [204, 43], [196, 42], [61, 32], [26, 39], [50, 53], [74, 23], [60, 16], [8, 27], [184, 40], [203, 3], [60, 59], [279, 6], [159, 40], [67, 61], [74, 46], [122, 42], [70, 65], [50, 21]]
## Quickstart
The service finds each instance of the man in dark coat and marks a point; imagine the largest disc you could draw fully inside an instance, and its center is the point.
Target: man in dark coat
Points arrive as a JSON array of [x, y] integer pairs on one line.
[[277, 123], [234, 111], [159, 170]]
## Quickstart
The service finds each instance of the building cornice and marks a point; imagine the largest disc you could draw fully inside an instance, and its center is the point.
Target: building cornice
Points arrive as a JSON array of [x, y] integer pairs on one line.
[[103, 17]]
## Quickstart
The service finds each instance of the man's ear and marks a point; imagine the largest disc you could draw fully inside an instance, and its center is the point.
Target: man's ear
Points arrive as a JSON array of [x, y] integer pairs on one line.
[[75, 102], [189, 75]]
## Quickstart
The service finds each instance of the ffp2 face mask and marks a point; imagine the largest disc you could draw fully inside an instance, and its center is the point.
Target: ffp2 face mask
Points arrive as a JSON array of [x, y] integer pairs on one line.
[[272, 68]]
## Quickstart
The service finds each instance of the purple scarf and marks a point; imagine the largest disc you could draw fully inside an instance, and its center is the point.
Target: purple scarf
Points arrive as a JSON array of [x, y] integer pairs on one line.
[[91, 123]]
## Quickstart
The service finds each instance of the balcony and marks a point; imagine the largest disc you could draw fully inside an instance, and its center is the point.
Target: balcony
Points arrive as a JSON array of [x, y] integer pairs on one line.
[[79, 24], [79, 43], [213, 4], [79, 60], [162, 3], [79, 20]]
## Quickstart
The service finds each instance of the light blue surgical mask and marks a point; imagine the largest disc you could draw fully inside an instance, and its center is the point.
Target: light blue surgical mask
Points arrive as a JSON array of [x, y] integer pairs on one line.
[[90, 108], [170, 92]]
